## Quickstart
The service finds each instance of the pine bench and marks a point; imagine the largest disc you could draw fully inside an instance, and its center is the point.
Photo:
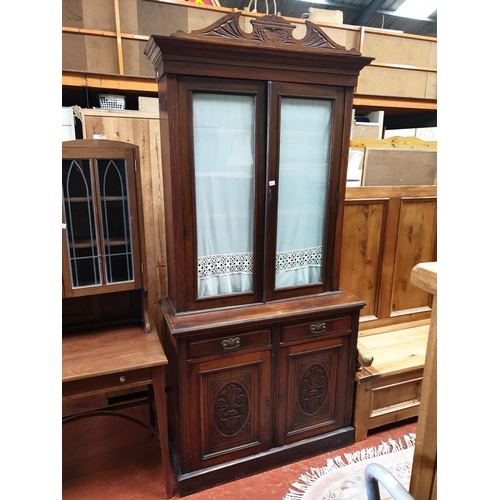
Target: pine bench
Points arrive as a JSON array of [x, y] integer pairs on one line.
[[389, 377]]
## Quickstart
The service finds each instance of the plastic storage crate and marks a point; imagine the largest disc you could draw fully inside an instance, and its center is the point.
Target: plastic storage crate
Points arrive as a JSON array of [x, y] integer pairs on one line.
[[109, 101]]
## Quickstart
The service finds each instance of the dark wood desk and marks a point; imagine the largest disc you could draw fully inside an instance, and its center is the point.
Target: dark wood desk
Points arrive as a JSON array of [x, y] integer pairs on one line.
[[115, 359]]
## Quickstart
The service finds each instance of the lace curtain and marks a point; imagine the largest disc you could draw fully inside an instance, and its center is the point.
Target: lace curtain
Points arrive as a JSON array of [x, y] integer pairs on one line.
[[303, 175], [224, 175]]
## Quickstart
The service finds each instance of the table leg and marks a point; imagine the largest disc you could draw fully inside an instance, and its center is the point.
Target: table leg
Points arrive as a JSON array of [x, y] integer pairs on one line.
[[161, 420]]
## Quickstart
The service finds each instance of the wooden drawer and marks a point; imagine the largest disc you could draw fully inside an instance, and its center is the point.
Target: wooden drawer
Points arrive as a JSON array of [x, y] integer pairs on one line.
[[315, 328], [396, 393], [107, 383], [229, 343]]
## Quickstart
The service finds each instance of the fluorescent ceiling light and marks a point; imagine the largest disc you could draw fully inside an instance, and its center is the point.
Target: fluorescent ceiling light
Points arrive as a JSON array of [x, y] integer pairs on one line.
[[417, 9]]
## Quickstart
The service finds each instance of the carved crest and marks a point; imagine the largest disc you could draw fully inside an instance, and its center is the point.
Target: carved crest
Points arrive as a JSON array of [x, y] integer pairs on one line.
[[269, 30], [226, 28]]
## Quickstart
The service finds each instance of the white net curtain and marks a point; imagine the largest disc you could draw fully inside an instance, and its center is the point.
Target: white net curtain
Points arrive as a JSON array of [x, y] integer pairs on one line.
[[224, 176]]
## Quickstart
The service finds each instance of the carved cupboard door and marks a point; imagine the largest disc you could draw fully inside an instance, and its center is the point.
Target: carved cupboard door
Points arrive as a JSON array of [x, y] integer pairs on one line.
[[312, 388], [229, 408]]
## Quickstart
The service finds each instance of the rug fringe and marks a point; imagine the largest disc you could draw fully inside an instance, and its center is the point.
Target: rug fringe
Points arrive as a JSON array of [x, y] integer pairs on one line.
[[315, 473]]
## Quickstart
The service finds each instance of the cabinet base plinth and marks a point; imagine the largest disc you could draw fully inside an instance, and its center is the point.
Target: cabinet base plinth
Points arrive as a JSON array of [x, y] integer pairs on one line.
[[210, 477]]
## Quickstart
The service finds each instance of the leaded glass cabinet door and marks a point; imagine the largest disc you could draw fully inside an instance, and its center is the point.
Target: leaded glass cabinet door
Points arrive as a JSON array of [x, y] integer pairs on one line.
[[100, 233], [304, 168], [226, 130]]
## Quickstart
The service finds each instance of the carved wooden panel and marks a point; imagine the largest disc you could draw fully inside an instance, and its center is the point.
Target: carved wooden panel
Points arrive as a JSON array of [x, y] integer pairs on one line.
[[416, 242], [269, 29], [362, 250], [311, 397], [231, 405]]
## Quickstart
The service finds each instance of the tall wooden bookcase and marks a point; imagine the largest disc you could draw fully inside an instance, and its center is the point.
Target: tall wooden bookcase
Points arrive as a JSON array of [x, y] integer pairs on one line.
[[261, 341]]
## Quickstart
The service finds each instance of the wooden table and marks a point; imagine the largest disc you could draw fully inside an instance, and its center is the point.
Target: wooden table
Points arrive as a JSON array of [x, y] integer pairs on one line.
[[423, 481], [115, 359]]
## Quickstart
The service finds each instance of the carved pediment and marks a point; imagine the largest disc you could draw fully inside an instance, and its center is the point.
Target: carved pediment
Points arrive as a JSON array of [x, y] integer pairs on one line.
[[271, 30]]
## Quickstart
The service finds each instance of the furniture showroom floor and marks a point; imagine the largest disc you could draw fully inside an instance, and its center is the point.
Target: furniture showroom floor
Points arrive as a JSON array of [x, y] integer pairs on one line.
[[109, 458]]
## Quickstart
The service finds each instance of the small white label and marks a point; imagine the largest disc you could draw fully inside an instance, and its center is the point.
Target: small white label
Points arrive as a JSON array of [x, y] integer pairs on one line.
[[272, 183], [64, 225]]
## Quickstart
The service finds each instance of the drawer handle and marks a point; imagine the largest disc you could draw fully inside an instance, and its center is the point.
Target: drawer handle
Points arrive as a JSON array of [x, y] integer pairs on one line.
[[123, 378], [231, 343], [318, 328]]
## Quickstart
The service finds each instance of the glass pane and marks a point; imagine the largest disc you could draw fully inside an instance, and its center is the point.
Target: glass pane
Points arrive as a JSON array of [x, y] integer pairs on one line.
[[224, 176], [305, 133], [113, 193], [80, 223]]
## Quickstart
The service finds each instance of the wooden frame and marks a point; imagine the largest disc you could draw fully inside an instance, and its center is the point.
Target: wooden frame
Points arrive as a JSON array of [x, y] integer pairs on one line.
[[386, 230], [231, 359], [224, 50], [141, 128], [93, 150]]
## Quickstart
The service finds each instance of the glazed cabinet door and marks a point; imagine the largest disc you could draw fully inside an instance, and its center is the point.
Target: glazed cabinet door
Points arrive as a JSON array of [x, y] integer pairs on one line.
[[100, 218], [222, 125], [304, 165], [312, 388], [258, 191], [229, 409]]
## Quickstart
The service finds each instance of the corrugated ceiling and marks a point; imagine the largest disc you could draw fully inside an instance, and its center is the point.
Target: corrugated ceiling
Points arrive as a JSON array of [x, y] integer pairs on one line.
[[370, 13]]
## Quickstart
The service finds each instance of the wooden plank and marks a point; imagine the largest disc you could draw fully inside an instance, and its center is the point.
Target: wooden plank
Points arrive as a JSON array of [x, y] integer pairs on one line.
[[362, 248], [424, 275], [112, 82], [377, 224], [109, 351], [143, 129], [407, 103], [416, 241], [399, 350], [398, 50], [424, 468], [391, 328], [396, 142], [119, 47]]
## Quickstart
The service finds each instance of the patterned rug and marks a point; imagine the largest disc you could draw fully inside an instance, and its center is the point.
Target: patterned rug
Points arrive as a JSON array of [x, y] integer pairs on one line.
[[343, 477]]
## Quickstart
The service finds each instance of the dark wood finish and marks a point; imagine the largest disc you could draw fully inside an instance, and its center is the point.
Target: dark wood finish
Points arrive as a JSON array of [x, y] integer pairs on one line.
[[94, 149], [330, 277], [230, 406], [312, 390], [107, 352], [277, 353], [93, 311], [108, 342], [226, 55], [116, 359], [261, 378], [186, 253]]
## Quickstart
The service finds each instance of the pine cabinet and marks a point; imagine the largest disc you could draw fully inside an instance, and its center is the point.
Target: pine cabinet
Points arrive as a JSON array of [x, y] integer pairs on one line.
[[255, 127]]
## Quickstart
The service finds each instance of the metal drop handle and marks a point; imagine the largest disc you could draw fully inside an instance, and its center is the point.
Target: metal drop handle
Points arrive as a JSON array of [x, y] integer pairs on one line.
[[318, 328], [231, 343]]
